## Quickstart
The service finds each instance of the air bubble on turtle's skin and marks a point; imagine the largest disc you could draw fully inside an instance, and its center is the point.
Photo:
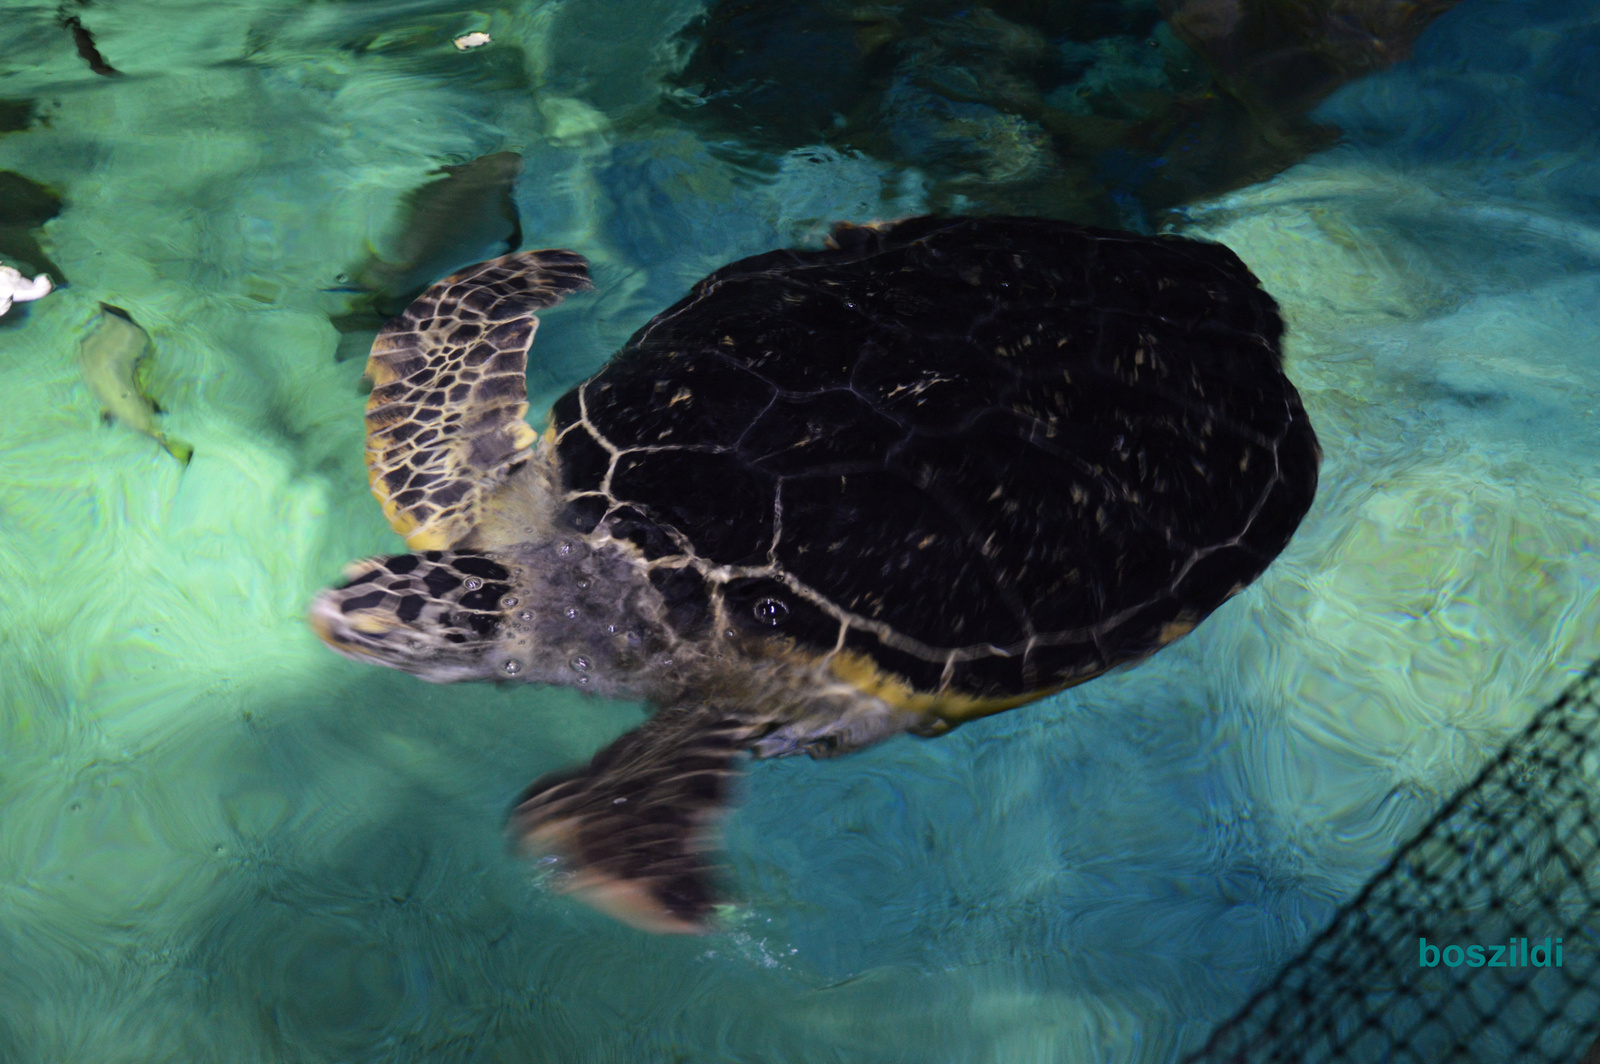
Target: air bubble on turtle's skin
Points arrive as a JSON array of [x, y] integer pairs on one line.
[[509, 601], [473, 583], [580, 663], [511, 667], [564, 549], [771, 611], [583, 680], [583, 585], [611, 629], [524, 615], [572, 613]]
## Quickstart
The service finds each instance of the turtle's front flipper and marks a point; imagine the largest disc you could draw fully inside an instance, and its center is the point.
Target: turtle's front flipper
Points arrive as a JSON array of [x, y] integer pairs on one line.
[[445, 422], [636, 824]]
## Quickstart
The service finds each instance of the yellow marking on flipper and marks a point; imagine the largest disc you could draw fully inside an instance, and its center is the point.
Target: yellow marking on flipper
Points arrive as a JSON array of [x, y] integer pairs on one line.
[[952, 707], [432, 537], [401, 522]]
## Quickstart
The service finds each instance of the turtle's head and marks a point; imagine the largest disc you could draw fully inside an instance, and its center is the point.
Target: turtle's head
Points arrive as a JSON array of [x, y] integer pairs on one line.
[[438, 615]]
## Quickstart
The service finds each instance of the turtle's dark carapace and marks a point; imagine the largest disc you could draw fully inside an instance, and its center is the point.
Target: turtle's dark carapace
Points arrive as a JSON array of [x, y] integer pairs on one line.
[[1002, 454]]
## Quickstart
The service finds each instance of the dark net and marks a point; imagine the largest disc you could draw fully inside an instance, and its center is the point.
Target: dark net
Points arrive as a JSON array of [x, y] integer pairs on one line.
[[1513, 856]]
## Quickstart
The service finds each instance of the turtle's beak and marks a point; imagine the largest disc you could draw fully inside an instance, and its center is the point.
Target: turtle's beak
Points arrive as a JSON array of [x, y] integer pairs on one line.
[[344, 633], [411, 614], [322, 620], [358, 620]]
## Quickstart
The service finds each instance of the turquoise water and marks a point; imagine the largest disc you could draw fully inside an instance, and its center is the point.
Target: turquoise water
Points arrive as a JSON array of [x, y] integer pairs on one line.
[[221, 842]]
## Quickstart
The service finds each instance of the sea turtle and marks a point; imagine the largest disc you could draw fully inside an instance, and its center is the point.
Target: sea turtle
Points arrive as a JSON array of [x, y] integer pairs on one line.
[[936, 469]]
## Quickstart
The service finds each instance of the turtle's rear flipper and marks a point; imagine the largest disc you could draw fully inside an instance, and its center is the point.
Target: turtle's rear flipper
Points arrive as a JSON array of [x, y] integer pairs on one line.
[[636, 825]]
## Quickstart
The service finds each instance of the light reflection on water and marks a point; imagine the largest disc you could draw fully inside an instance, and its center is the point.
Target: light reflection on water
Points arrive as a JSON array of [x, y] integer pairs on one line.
[[221, 842]]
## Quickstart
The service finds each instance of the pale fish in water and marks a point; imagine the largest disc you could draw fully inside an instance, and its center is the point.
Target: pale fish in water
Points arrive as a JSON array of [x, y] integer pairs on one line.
[[110, 357]]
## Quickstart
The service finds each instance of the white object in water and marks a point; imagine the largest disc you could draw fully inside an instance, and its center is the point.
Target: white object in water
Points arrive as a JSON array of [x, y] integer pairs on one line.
[[476, 39], [16, 288]]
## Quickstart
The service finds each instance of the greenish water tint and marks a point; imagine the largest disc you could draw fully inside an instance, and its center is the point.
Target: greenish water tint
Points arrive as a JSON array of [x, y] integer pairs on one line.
[[221, 842]]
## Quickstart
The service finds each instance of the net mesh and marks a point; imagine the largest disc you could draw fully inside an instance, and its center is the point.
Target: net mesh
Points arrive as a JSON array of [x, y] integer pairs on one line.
[[1511, 857]]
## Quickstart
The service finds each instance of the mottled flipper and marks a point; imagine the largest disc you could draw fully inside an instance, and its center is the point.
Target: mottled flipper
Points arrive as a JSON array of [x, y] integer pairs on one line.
[[445, 422], [635, 826]]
